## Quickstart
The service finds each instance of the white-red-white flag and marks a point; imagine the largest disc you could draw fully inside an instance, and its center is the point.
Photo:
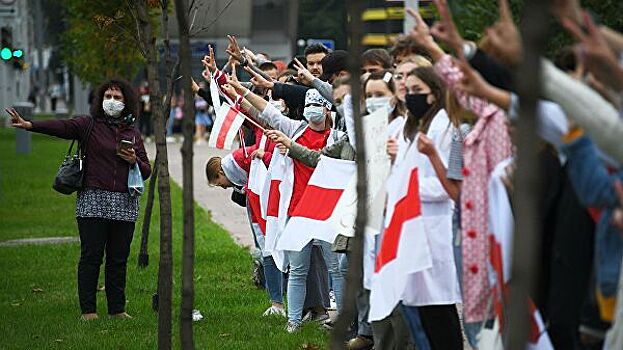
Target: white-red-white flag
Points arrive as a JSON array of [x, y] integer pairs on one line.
[[255, 185], [225, 128], [501, 224], [275, 198], [404, 247], [311, 217]]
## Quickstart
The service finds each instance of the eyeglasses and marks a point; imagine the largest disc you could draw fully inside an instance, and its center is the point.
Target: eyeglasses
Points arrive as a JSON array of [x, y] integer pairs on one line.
[[399, 76]]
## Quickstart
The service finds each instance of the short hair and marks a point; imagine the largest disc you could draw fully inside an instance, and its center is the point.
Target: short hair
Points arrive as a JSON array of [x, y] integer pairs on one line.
[[287, 73], [341, 81], [418, 60], [376, 56], [213, 167], [130, 98], [268, 65], [315, 48], [404, 45], [265, 55]]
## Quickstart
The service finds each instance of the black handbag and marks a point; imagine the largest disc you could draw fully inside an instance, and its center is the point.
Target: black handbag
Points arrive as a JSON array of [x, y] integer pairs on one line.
[[69, 176]]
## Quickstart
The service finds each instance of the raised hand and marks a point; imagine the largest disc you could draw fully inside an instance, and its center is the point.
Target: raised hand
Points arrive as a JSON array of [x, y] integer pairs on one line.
[[229, 90], [594, 52], [209, 62], [567, 9], [304, 75], [472, 82], [259, 80], [505, 38], [420, 33], [233, 49], [446, 30], [278, 137], [16, 119]]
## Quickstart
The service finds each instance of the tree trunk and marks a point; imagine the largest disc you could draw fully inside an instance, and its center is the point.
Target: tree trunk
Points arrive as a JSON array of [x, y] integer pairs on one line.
[[355, 269], [143, 255], [165, 268], [526, 241], [188, 128]]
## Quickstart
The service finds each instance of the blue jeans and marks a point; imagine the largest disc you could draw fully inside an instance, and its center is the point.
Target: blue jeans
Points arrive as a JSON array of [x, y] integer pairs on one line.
[[274, 280], [170, 122], [299, 267], [412, 318]]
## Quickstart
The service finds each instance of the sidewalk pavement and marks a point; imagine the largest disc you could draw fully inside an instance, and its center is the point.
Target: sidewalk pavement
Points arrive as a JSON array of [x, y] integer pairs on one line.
[[229, 215]]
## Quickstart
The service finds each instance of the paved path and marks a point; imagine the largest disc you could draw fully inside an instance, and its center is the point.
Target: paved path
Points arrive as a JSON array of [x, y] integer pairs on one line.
[[40, 241], [216, 200]]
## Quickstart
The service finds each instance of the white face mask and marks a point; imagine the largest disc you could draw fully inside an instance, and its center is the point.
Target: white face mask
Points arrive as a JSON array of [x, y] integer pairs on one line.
[[113, 107], [314, 114], [373, 104]]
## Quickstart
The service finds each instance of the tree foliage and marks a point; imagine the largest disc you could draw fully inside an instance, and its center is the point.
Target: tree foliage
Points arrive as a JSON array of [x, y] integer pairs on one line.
[[474, 16], [100, 40]]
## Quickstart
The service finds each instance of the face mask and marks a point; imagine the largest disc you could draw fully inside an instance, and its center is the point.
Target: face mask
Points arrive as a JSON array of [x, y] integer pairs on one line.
[[417, 104], [113, 107], [373, 104], [314, 114]]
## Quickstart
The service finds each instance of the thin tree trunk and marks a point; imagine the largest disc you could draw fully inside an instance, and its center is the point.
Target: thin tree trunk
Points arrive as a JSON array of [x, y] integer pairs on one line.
[[526, 241], [355, 269], [143, 255], [188, 128], [165, 268]]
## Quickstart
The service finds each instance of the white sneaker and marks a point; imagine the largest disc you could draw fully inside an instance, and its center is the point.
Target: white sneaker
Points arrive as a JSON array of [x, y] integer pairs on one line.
[[292, 327], [273, 310], [332, 302]]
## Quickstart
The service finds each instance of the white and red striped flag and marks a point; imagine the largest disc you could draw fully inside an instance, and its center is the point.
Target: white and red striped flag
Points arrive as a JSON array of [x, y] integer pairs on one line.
[[311, 217], [257, 177], [501, 224], [228, 121], [404, 247], [275, 200]]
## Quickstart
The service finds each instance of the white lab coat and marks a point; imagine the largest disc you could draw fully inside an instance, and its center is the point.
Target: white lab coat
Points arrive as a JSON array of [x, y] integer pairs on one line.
[[439, 284]]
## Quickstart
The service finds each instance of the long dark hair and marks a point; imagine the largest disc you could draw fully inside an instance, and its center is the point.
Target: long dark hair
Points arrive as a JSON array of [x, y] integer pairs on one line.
[[400, 109], [129, 97], [438, 89]]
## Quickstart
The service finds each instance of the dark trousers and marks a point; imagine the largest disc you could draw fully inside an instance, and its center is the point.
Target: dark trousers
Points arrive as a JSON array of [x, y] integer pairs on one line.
[[96, 237], [442, 326]]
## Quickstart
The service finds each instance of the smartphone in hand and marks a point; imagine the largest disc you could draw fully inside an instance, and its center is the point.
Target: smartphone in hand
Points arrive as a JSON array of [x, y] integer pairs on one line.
[[124, 144]]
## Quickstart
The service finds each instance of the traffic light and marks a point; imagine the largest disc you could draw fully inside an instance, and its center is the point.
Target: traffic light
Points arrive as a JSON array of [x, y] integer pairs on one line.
[[8, 53]]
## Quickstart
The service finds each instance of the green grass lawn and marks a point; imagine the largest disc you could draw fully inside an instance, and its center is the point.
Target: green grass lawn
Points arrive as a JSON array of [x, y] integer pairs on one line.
[[38, 295]]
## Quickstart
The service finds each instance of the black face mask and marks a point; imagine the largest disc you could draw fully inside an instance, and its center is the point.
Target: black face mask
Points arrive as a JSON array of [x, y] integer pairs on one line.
[[417, 104]]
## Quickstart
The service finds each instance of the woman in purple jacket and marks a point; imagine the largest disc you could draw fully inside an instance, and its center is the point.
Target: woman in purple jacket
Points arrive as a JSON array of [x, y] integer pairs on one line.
[[105, 210]]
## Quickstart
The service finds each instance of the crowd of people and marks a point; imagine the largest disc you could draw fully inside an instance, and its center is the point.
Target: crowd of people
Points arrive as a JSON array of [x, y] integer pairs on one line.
[[451, 105]]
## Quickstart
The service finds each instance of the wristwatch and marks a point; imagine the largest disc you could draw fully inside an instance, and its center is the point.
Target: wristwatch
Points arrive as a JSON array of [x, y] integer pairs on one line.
[[469, 50]]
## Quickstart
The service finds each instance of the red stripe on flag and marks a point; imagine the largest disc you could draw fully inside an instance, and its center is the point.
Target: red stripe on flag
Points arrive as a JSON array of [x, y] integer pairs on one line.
[[274, 196], [256, 210], [317, 203], [224, 130], [407, 208]]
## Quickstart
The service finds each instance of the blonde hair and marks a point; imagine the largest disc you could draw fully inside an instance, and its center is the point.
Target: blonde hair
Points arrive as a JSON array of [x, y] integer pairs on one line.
[[418, 60]]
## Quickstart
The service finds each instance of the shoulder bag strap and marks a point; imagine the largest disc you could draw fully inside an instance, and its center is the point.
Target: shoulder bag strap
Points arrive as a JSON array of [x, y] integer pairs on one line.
[[82, 147]]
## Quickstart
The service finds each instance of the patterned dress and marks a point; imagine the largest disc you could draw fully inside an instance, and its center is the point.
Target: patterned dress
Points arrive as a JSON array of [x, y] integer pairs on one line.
[[486, 145], [98, 203]]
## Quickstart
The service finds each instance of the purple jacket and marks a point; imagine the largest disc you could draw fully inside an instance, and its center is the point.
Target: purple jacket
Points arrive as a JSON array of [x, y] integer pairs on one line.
[[103, 167]]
